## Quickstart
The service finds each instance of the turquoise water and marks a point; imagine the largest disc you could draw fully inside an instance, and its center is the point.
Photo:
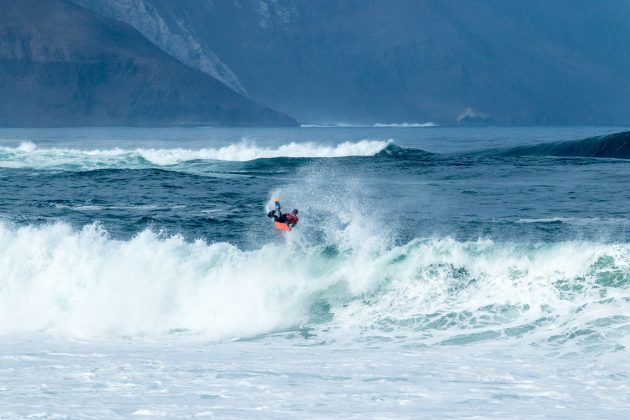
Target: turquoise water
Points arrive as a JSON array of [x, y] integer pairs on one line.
[[435, 272]]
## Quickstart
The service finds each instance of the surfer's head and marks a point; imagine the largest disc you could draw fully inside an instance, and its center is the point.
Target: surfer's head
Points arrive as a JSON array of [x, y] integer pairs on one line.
[[295, 211]]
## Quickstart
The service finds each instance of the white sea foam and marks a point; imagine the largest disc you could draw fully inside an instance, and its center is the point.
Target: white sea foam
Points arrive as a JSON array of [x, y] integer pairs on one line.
[[406, 125], [28, 155], [82, 283], [27, 146], [249, 151]]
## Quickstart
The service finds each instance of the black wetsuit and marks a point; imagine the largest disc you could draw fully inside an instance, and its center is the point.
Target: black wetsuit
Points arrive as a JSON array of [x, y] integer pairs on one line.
[[282, 217]]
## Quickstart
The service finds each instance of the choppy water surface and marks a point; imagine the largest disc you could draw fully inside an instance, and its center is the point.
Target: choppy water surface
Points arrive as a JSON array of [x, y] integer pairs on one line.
[[439, 272]]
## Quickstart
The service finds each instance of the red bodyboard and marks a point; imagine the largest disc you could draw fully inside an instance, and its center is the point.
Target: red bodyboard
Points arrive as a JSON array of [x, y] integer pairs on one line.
[[282, 226]]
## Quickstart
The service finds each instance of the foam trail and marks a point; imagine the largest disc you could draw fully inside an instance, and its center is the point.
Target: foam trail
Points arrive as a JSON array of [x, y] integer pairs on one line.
[[28, 155]]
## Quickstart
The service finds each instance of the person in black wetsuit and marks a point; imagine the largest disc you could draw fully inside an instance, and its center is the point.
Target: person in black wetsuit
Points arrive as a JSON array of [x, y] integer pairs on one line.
[[290, 219]]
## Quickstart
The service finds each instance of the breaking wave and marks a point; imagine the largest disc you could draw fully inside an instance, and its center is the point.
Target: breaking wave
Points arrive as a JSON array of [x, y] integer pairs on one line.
[[435, 291], [28, 155]]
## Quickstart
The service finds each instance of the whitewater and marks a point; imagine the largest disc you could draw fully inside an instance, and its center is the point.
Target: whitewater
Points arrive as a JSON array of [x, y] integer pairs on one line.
[[27, 155], [436, 272]]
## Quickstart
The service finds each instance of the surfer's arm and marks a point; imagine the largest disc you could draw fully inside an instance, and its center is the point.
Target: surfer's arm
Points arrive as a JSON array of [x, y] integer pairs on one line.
[[271, 214]]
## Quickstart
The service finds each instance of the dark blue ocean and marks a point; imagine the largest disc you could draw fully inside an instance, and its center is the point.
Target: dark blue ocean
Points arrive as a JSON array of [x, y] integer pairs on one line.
[[214, 184], [435, 272]]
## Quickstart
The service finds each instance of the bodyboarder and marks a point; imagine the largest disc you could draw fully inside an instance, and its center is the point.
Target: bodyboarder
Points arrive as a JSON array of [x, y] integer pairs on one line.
[[290, 219]]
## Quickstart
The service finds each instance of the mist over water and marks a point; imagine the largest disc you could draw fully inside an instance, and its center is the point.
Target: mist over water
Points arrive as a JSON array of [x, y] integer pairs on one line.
[[424, 259]]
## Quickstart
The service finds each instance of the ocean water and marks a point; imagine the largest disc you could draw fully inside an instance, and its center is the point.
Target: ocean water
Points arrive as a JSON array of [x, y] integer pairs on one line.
[[435, 272]]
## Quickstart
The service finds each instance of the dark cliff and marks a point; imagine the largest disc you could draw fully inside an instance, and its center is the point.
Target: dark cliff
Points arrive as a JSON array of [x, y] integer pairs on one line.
[[62, 65]]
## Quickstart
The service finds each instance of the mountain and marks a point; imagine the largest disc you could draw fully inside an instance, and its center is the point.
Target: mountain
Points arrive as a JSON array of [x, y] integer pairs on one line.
[[63, 65], [448, 61]]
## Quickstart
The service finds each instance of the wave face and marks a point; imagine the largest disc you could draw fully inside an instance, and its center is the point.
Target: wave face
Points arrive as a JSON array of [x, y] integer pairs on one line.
[[28, 155], [435, 291], [615, 146]]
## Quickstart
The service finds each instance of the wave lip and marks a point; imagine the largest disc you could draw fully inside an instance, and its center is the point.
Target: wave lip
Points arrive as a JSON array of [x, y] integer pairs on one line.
[[616, 146], [28, 155], [244, 151]]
